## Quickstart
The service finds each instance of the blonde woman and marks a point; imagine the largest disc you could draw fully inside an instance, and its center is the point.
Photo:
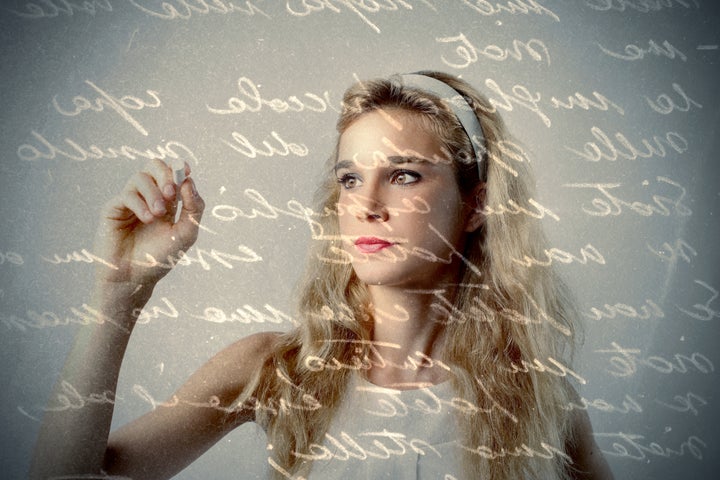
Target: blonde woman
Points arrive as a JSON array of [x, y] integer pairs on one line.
[[424, 350]]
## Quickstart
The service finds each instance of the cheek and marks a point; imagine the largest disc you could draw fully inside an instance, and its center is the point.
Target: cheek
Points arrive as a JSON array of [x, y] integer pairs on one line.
[[446, 210], [348, 209], [448, 220], [342, 219]]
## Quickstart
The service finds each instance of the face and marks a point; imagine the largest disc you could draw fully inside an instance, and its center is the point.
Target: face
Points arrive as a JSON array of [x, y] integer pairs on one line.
[[403, 219]]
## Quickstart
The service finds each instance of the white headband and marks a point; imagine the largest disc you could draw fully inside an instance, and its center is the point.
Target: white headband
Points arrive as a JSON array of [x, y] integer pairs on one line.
[[464, 112]]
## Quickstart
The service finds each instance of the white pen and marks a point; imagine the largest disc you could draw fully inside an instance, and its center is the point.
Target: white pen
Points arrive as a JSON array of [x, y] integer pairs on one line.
[[178, 168]]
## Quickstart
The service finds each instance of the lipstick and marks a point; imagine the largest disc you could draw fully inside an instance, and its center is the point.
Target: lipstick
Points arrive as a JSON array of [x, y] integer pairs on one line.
[[371, 244]]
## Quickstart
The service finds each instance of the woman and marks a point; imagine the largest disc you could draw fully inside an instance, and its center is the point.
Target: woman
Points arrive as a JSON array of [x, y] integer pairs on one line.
[[422, 343]]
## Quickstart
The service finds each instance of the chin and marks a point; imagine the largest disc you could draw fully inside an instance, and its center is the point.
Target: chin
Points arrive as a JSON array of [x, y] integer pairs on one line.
[[371, 275]]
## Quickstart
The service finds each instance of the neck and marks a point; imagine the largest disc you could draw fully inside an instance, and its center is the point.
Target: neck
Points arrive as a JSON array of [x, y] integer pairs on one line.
[[409, 335]]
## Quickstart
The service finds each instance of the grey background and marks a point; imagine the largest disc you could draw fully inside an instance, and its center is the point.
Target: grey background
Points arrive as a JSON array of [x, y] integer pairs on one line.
[[193, 53]]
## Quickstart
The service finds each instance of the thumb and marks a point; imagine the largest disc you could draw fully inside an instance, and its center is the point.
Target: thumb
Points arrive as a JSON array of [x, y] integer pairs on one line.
[[192, 208]]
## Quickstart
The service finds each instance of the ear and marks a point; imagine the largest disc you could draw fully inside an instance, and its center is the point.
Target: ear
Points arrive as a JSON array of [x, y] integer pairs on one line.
[[476, 205]]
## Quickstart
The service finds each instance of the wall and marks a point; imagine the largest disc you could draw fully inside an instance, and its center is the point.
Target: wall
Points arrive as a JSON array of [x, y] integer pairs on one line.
[[614, 101]]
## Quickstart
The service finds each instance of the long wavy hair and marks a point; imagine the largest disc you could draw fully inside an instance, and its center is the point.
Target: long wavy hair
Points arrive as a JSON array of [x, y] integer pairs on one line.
[[508, 331]]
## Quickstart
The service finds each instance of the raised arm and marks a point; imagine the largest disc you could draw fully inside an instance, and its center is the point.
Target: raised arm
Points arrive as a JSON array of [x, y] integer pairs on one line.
[[134, 225], [164, 441]]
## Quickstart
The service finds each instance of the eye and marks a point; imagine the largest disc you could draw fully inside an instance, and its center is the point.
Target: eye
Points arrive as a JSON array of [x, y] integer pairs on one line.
[[349, 180], [404, 177]]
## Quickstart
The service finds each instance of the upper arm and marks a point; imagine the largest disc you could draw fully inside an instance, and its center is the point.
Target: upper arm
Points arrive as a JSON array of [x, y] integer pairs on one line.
[[588, 461], [167, 439]]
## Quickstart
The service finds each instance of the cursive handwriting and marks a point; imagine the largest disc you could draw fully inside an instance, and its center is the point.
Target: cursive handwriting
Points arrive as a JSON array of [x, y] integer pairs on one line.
[[552, 367], [546, 451], [261, 208], [198, 257], [521, 96], [626, 361], [600, 102], [53, 8], [607, 149], [613, 205], [648, 310], [629, 404], [85, 315], [68, 398], [627, 445], [347, 446], [396, 254], [642, 6], [514, 7], [11, 258], [513, 208], [184, 9], [146, 314], [243, 146], [587, 253], [665, 105], [480, 311], [303, 8], [685, 403], [246, 315], [671, 253], [78, 153], [391, 404], [634, 52], [251, 100], [120, 105], [469, 54], [372, 359], [703, 312], [272, 405], [83, 256]]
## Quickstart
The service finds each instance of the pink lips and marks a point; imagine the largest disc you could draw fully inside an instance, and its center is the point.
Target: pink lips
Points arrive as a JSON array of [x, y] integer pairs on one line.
[[371, 244]]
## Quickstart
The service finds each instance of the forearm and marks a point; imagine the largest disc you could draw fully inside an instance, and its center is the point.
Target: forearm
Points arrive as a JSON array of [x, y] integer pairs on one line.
[[137, 223], [73, 435]]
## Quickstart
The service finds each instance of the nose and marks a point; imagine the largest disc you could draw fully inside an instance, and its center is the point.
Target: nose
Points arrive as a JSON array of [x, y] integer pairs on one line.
[[369, 208]]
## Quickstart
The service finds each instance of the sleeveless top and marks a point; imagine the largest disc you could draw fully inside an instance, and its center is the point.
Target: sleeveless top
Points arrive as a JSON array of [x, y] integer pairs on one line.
[[384, 433]]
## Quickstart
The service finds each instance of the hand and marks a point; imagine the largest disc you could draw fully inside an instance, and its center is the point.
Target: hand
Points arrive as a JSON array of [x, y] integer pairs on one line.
[[137, 233]]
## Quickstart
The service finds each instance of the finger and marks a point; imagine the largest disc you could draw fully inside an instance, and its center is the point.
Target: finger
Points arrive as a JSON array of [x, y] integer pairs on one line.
[[192, 201], [180, 164], [162, 175], [132, 201], [180, 171], [144, 185], [192, 204]]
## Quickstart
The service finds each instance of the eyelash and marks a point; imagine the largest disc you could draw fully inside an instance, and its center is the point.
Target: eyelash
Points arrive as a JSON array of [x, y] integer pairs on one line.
[[344, 179], [415, 176]]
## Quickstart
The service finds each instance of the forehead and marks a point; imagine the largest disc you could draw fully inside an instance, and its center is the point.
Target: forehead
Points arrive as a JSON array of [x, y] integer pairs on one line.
[[389, 133]]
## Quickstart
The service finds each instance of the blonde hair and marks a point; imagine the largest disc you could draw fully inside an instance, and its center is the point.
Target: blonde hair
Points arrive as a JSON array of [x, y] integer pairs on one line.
[[500, 335]]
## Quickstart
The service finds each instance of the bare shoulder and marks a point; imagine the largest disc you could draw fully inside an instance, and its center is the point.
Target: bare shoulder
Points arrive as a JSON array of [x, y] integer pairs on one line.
[[199, 413], [252, 349], [588, 460], [230, 369]]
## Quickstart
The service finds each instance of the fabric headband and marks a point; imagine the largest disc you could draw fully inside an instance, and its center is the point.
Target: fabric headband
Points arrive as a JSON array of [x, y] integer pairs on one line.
[[463, 111]]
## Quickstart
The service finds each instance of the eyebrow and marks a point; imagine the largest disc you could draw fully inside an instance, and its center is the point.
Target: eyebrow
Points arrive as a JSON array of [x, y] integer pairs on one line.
[[394, 159]]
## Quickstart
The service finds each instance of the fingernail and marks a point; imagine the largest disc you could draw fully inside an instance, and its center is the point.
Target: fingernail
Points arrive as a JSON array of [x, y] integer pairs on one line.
[[159, 206], [169, 190]]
